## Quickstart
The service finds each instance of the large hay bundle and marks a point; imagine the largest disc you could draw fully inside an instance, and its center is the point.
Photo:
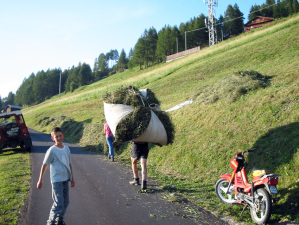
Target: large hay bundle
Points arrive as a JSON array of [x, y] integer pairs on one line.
[[134, 114]]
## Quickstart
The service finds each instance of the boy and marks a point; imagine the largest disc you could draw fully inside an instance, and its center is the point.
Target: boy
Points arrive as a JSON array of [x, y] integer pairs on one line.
[[58, 157]]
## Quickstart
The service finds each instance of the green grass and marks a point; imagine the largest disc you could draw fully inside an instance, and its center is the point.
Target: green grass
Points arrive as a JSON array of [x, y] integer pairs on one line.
[[15, 172], [209, 133]]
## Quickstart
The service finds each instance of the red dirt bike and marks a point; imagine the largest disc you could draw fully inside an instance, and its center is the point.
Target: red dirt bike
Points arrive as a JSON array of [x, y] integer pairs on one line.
[[235, 189]]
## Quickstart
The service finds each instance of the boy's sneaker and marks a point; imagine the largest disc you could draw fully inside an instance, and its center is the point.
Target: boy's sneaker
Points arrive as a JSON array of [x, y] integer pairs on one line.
[[143, 185], [135, 181]]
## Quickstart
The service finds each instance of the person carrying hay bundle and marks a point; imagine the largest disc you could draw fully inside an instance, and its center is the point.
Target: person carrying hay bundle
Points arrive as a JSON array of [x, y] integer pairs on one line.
[[135, 115], [140, 150]]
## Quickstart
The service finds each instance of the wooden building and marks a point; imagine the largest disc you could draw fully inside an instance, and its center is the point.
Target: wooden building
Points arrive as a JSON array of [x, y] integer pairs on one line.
[[257, 22], [10, 108]]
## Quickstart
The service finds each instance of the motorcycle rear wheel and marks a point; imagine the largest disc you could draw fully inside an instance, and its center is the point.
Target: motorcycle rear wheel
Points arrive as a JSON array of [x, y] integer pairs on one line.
[[261, 212], [222, 193]]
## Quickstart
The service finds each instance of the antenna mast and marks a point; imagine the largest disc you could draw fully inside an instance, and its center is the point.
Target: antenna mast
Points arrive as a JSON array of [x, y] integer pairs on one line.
[[210, 23]]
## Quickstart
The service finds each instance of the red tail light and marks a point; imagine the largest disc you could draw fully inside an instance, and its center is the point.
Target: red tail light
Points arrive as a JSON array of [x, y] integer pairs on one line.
[[25, 132], [273, 181]]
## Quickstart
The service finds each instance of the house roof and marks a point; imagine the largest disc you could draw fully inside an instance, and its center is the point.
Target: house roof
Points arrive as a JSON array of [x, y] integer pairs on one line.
[[259, 20], [14, 107]]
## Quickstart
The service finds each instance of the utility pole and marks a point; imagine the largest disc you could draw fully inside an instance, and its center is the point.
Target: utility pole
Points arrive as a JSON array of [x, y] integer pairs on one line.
[[211, 24]]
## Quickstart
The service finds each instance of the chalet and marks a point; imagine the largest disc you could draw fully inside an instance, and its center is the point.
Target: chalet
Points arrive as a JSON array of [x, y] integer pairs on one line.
[[10, 108], [257, 22]]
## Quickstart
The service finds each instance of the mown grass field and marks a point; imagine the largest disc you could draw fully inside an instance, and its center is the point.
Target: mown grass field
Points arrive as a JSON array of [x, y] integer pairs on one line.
[[223, 120]]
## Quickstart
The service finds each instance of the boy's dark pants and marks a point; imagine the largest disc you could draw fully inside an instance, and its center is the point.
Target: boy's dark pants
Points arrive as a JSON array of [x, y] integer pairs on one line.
[[60, 195]]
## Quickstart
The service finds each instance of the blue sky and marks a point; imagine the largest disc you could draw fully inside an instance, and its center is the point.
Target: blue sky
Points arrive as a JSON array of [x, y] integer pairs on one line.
[[41, 35]]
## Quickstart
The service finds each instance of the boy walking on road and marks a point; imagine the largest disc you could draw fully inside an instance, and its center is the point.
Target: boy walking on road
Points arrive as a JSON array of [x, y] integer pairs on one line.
[[58, 157]]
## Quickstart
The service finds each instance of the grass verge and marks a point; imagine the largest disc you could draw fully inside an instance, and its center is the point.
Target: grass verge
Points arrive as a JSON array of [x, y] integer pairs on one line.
[[15, 172]]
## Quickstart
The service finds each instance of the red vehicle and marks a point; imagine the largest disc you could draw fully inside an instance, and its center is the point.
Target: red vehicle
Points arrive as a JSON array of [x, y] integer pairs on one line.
[[13, 131], [235, 189]]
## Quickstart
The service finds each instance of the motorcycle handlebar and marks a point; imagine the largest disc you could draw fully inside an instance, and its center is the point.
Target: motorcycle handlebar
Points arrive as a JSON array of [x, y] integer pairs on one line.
[[249, 150]]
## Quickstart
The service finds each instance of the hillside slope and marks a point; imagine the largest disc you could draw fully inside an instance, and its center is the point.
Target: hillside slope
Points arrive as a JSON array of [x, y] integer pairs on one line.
[[231, 112]]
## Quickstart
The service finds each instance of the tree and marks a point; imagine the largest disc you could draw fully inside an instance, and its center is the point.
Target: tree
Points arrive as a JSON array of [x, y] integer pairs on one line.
[[130, 59], [103, 65], [151, 44], [145, 48], [39, 88], [122, 61], [10, 99], [112, 57], [85, 74], [295, 6], [282, 8], [139, 52], [254, 12], [51, 83], [219, 28], [166, 43], [233, 21], [24, 94], [64, 77], [201, 35]]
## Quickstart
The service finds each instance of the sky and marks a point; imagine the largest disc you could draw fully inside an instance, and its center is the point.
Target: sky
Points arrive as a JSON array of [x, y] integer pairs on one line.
[[39, 35]]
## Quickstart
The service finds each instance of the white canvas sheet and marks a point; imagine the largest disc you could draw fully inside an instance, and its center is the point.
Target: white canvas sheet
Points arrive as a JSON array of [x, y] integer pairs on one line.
[[114, 113], [155, 132]]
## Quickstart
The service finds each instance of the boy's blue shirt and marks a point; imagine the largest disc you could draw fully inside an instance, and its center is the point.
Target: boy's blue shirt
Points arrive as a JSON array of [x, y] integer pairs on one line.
[[59, 160]]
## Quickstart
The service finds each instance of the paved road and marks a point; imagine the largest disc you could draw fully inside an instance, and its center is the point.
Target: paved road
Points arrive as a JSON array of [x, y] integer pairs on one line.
[[102, 194]]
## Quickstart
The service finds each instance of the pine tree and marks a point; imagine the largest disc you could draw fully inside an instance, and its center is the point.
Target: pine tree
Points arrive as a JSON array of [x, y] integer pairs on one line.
[[151, 43], [165, 44], [233, 21], [295, 6], [122, 61], [139, 53], [130, 59]]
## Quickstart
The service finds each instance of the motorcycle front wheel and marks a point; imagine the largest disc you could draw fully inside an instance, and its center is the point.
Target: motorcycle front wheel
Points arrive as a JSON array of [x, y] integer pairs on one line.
[[224, 194], [261, 212]]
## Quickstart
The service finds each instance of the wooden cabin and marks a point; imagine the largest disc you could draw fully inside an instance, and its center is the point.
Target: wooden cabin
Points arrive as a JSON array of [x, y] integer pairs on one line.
[[257, 22], [10, 108]]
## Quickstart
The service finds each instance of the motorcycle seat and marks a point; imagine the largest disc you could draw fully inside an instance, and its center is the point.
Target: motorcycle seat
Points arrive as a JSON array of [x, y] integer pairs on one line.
[[260, 173]]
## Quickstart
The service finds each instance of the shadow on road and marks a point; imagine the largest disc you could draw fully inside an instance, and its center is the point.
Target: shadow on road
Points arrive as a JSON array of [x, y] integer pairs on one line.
[[42, 142]]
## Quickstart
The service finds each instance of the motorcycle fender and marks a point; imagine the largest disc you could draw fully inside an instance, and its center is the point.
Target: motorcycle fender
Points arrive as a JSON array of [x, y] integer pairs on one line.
[[267, 187], [226, 177]]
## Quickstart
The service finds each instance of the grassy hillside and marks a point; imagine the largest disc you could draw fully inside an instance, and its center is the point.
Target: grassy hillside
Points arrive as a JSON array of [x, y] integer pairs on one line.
[[231, 112]]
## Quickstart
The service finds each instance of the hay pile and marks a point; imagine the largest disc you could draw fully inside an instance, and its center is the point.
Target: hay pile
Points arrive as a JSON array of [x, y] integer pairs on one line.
[[232, 87], [137, 121]]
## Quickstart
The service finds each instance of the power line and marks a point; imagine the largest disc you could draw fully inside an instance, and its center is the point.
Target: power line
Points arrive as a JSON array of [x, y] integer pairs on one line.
[[228, 20]]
